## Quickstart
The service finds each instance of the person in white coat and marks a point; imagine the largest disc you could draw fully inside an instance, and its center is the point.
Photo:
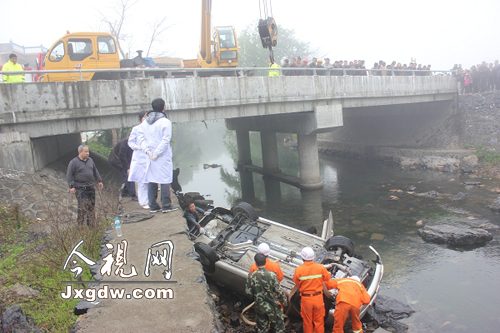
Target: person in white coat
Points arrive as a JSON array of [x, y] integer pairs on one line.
[[155, 136], [138, 164]]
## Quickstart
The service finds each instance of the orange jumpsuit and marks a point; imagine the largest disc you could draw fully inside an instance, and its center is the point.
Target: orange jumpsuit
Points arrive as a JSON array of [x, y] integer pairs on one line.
[[309, 278], [352, 294], [271, 266]]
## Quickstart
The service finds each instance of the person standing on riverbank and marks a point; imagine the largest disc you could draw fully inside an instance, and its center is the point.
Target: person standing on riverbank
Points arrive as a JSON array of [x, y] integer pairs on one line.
[[264, 288], [120, 158], [138, 164], [81, 175], [155, 136], [309, 278]]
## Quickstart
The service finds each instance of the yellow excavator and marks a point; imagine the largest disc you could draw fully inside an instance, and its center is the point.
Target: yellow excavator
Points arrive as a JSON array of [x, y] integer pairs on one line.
[[221, 51]]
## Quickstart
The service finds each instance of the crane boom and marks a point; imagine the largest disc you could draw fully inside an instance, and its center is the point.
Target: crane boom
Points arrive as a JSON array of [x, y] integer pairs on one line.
[[206, 20]]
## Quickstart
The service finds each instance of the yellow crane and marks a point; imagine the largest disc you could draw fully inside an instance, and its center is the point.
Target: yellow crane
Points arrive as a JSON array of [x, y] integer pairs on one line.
[[219, 51]]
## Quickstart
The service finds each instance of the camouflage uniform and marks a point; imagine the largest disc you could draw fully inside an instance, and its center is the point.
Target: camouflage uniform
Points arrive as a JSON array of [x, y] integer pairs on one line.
[[263, 287]]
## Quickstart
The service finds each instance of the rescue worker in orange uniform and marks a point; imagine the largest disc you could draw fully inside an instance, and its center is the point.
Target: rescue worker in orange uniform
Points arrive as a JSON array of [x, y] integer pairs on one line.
[[352, 294], [271, 266], [309, 278]]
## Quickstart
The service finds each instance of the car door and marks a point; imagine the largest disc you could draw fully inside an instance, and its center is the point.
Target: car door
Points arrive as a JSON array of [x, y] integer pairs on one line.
[[82, 54], [57, 60]]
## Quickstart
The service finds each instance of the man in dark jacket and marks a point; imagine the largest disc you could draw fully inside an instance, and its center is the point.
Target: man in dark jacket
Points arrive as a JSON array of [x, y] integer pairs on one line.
[[191, 214], [81, 176], [120, 158]]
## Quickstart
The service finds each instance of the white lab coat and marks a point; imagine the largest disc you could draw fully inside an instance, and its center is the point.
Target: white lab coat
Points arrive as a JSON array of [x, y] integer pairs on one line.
[[156, 137], [139, 158]]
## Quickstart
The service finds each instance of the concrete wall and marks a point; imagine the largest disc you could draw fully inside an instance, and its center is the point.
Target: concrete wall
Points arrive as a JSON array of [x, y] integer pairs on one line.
[[416, 126], [19, 152], [15, 151], [49, 149]]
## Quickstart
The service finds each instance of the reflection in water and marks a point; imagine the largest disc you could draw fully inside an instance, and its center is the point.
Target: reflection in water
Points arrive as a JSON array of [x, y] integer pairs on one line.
[[247, 189], [272, 191], [451, 290]]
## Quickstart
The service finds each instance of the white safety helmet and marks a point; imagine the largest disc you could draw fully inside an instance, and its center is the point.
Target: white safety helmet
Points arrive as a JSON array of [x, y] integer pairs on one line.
[[354, 277], [264, 249], [307, 253]]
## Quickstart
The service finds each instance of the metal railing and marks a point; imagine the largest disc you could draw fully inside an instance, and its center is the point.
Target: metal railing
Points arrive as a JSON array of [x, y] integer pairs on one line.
[[242, 71]]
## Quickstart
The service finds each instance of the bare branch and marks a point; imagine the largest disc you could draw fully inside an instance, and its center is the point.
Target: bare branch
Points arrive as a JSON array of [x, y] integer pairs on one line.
[[158, 29], [116, 23]]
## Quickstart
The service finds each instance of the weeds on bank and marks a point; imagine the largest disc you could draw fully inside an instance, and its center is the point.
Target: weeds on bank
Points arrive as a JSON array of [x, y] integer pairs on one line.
[[37, 260], [488, 155]]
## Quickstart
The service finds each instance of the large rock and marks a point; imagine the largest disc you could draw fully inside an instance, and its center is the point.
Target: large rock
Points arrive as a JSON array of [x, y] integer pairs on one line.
[[496, 205], [469, 164], [387, 311], [13, 320], [24, 291], [453, 235]]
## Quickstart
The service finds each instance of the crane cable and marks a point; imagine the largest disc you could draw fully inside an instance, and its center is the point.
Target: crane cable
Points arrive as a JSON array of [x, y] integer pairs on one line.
[[264, 4]]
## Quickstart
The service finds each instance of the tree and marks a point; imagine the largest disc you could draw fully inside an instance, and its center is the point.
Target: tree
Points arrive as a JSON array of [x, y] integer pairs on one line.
[[118, 23], [115, 22], [253, 54], [157, 29]]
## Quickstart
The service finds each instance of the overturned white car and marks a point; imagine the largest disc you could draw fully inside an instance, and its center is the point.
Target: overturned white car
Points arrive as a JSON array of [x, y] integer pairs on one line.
[[228, 248]]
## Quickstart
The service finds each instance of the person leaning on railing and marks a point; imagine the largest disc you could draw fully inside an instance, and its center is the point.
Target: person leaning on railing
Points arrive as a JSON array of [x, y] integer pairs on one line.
[[12, 66]]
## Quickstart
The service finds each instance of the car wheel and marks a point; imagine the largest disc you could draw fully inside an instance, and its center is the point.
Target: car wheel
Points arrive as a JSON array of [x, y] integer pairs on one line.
[[208, 257], [246, 209], [340, 241]]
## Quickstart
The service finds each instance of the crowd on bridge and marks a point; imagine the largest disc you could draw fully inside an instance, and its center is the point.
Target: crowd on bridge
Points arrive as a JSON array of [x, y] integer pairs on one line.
[[302, 66], [479, 78]]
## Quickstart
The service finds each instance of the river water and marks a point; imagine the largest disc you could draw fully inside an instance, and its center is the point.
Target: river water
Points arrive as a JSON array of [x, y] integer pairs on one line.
[[451, 290]]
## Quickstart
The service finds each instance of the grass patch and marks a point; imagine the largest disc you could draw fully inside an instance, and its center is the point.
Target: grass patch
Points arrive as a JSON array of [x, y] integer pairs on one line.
[[36, 259], [488, 155]]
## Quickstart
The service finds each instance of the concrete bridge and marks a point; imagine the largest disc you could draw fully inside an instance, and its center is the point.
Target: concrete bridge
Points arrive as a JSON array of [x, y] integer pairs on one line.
[[39, 122]]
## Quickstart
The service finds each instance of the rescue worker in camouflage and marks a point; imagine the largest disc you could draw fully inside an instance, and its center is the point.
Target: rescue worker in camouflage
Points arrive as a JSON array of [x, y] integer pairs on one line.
[[263, 287]]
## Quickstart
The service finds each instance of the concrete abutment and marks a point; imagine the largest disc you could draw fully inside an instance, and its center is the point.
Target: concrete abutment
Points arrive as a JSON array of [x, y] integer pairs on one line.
[[20, 152]]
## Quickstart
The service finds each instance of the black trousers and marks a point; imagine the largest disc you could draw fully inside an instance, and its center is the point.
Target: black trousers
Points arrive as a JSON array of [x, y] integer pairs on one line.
[[85, 195], [129, 187], [166, 203]]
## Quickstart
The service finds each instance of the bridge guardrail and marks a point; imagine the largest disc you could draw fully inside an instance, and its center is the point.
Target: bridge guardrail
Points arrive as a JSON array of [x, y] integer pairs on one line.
[[246, 71]]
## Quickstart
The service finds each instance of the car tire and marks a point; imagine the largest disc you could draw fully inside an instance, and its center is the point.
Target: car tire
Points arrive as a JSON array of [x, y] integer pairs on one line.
[[340, 241], [208, 257], [246, 209]]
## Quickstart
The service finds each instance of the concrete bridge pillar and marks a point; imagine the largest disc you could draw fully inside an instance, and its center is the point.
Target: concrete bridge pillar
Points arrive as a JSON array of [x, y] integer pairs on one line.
[[269, 152], [309, 162], [243, 144]]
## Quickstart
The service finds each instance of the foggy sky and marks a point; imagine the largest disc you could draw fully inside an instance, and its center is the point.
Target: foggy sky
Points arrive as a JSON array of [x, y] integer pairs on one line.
[[438, 32]]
